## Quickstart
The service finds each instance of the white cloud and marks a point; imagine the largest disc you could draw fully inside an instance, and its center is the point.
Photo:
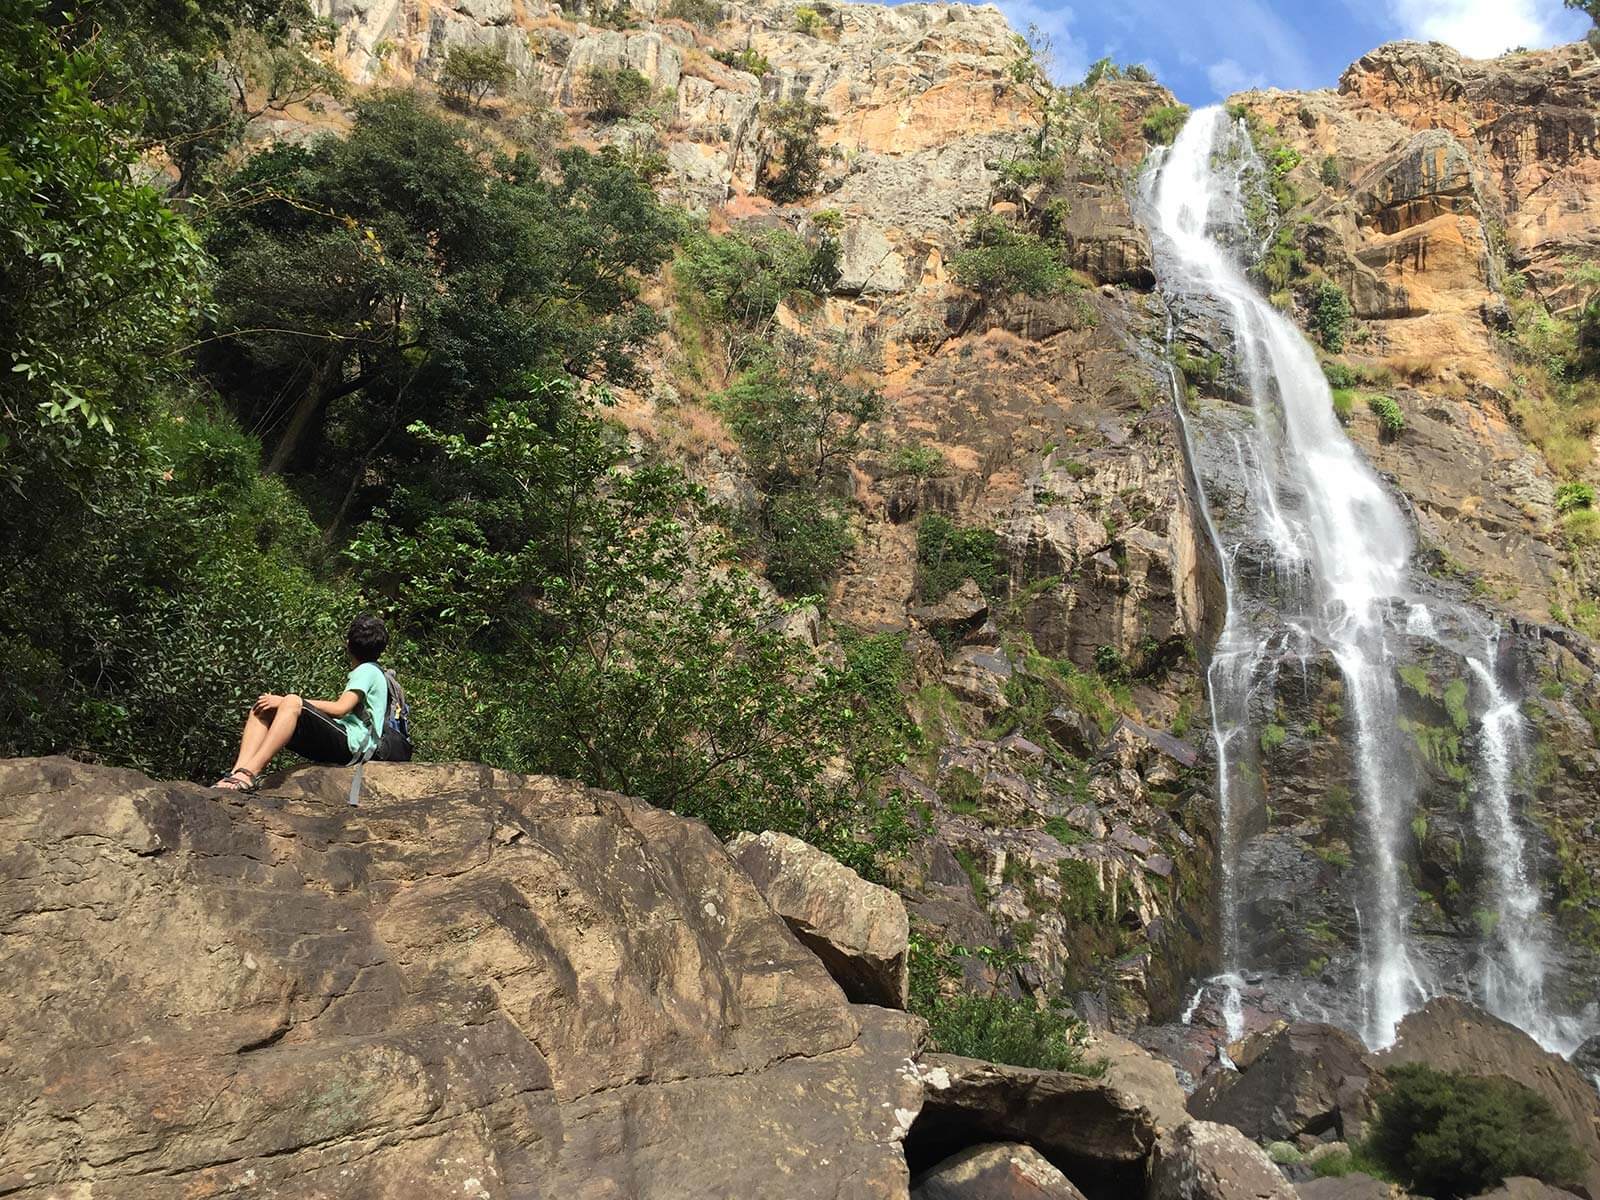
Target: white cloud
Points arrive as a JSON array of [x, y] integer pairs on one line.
[[1485, 28], [1227, 77]]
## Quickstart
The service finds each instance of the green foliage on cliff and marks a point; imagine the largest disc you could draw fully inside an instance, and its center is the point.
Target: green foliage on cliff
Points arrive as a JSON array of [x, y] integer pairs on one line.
[[613, 93], [1002, 259], [471, 72], [948, 553], [996, 1026], [794, 154], [1452, 1135], [1391, 421], [1162, 123], [1330, 314]]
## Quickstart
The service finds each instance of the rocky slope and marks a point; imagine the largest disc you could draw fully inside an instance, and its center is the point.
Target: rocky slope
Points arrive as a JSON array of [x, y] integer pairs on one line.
[[1078, 831]]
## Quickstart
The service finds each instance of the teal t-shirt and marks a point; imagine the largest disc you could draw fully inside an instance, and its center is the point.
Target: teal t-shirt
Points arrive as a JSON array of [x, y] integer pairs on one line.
[[374, 688]]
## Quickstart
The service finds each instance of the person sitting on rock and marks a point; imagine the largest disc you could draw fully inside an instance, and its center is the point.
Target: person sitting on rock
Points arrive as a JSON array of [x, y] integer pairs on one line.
[[323, 731]]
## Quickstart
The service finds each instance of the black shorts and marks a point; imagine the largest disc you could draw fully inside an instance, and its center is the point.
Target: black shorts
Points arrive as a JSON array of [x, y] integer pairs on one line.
[[319, 738]]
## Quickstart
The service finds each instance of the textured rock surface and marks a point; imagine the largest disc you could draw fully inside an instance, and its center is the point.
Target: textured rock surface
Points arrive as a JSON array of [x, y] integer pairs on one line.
[[1354, 1186], [1205, 1161], [1451, 1036], [476, 984], [1300, 1080], [997, 1171], [1096, 1131], [1523, 1188], [858, 929]]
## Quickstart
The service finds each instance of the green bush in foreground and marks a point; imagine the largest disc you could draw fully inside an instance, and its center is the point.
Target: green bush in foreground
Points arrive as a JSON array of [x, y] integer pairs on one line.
[[993, 1027], [1449, 1135]]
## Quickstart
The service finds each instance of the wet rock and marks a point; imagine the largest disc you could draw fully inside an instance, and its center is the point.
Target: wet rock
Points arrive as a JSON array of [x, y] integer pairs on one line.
[[1205, 1161], [995, 1171], [1450, 1035], [1587, 1058], [1301, 1081], [476, 984], [858, 929]]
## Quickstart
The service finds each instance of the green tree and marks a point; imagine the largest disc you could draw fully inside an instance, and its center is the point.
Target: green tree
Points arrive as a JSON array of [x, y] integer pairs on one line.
[[614, 92], [948, 553], [792, 151], [801, 415], [471, 72], [1330, 314], [1162, 123], [405, 270], [1002, 259], [594, 593], [97, 275], [1450, 1135]]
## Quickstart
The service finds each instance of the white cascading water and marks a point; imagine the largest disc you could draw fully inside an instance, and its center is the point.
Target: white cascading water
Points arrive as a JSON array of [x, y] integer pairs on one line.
[[1328, 552]]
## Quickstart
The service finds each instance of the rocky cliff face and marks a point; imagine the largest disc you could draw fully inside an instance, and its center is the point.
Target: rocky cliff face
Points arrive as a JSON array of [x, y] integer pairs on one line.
[[1430, 188]]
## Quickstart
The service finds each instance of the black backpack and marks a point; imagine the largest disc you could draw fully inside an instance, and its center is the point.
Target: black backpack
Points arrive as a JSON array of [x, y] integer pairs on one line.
[[394, 741]]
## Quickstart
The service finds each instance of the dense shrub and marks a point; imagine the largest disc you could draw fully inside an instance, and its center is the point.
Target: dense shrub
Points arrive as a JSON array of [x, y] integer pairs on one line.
[[1003, 259], [948, 553], [1391, 421], [916, 460], [748, 59], [1451, 1135], [1330, 314], [794, 153], [1161, 124], [471, 72], [808, 20], [993, 1026], [741, 277], [1572, 495], [1329, 172], [808, 538], [613, 93]]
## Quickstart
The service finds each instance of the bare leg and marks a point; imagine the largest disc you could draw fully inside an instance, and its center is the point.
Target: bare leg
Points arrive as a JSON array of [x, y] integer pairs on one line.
[[255, 733], [275, 738]]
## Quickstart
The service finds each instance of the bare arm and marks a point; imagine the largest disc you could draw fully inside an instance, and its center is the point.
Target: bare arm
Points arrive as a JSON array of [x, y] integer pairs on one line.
[[344, 705]]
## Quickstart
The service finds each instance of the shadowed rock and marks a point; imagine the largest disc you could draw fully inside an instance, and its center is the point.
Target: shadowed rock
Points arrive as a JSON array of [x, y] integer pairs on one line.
[[858, 929], [1300, 1080]]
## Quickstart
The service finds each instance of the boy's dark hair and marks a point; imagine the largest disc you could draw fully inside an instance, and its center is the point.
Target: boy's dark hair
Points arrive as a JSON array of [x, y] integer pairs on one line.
[[367, 638]]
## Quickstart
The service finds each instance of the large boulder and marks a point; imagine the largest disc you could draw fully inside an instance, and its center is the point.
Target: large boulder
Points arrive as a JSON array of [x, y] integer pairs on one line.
[[995, 1171], [1520, 1187], [1095, 1130], [1206, 1161], [1450, 1035], [476, 984], [1297, 1081], [1354, 1186], [858, 929]]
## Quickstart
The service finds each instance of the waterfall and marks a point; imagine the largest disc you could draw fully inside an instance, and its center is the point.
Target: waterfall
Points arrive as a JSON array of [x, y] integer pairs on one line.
[[1317, 560]]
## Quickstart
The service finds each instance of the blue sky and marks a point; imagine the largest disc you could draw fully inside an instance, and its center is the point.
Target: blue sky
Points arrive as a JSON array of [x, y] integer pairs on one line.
[[1205, 49]]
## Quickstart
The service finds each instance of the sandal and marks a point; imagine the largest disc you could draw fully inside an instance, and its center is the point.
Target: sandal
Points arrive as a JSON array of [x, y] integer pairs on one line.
[[238, 780]]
